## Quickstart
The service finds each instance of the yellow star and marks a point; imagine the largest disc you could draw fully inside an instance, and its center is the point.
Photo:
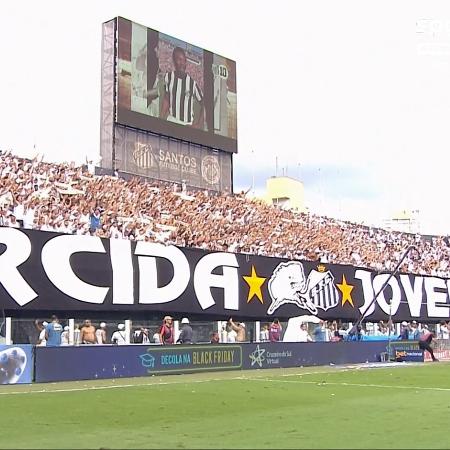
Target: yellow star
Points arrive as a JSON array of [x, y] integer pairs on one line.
[[346, 290], [255, 284]]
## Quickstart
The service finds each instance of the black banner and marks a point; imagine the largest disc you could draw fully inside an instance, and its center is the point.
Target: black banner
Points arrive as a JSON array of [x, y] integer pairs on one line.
[[52, 271]]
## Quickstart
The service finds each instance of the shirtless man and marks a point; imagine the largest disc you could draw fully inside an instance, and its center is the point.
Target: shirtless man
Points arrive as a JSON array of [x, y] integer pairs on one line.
[[87, 333], [239, 327]]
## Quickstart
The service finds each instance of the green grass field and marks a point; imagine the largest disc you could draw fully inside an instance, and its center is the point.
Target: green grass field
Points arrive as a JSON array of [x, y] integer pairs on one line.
[[328, 407]]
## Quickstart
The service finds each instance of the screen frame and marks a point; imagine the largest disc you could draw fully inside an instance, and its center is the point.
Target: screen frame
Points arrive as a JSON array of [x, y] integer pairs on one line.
[[139, 121]]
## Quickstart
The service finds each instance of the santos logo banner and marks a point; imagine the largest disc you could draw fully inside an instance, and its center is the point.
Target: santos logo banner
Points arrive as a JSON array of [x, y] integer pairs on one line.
[[52, 271]]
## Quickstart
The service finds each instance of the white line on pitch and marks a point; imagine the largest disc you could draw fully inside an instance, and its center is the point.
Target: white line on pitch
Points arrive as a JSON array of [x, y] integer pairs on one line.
[[347, 368], [332, 383], [155, 383], [247, 376], [116, 386]]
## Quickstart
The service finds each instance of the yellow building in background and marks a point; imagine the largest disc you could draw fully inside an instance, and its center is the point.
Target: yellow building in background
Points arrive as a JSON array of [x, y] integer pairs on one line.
[[405, 221], [285, 192]]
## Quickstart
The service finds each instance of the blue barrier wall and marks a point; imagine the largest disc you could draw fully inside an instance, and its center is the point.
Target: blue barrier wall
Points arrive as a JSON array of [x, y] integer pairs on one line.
[[16, 364], [97, 362], [273, 355]]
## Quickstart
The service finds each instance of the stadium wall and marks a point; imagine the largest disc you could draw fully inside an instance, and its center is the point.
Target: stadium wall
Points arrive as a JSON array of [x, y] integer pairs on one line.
[[104, 362]]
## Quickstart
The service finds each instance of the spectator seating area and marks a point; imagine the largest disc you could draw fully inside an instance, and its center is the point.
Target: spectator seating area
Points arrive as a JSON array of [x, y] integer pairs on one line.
[[70, 199]]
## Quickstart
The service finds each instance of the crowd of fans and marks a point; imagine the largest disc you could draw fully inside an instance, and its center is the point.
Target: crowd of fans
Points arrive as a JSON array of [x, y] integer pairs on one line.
[[54, 332], [57, 333], [65, 198]]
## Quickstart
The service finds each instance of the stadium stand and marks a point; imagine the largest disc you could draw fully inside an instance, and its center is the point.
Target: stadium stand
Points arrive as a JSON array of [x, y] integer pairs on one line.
[[71, 199]]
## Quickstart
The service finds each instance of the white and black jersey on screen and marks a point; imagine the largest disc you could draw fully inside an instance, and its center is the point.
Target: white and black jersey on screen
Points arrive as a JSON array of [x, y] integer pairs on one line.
[[181, 93]]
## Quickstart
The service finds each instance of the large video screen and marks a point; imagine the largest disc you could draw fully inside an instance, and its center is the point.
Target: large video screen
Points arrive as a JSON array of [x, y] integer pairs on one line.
[[170, 87]]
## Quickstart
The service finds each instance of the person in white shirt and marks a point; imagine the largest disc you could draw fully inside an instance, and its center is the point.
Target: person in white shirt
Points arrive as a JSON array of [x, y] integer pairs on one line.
[[12, 222], [65, 227], [90, 166], [303, 335], [65, 336], [81, 230], [264, 333], [28, 217], [231, 336], [100, 334], [224, 335], [3, 217], [19, 210], [41, 326], [141, 336], [48, 225], [444, 333], [114, 232], [118, 336], [76, 335], [6, 199]]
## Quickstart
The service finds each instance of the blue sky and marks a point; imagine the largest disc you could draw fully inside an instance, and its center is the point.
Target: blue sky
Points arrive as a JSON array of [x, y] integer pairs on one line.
[[358, 89]]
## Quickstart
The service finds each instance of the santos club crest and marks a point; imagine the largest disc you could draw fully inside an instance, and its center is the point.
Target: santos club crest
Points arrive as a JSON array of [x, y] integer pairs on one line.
[[288, 284]]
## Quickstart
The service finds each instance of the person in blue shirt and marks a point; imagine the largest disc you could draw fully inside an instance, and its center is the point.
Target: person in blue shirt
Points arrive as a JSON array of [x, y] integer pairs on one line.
[[95, 221], [320, 332], [53, 332], [414, 333], [355, 334], [404, 331]]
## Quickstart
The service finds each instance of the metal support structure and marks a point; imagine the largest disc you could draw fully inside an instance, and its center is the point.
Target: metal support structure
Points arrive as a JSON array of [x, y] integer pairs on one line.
[[8, 331], [108, 94], [71, 331], [127, 331], [222, 331], [257, 331], [383, 287], [176, 330]]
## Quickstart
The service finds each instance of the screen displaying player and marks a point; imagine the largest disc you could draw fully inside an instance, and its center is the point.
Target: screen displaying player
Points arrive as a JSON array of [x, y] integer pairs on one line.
[[168, 86]]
